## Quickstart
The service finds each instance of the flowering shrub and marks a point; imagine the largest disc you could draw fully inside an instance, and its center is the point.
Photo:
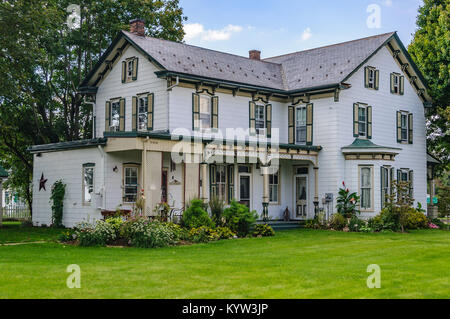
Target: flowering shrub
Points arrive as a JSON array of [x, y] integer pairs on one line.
[[116, 223], [145, 234], [99, 233], [347, 203], [203, 235], [433, 226], [225, 233], [263, 230]]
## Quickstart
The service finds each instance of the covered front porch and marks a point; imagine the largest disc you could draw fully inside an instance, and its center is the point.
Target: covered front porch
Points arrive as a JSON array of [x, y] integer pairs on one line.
[[279, 184]]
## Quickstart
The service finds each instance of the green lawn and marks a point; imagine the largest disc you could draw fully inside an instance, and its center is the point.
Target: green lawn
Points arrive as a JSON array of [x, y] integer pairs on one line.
[[11, 232], [294, 264]]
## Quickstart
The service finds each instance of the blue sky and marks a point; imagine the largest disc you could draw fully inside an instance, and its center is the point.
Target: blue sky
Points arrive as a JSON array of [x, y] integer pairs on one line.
[[283, 26]]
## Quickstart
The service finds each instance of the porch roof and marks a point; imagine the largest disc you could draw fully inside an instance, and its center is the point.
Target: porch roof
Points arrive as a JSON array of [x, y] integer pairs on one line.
[[367, 144], [67, 145]]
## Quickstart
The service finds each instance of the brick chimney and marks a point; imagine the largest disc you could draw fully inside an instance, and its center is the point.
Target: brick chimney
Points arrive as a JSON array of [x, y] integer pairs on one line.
[[255, 55], [137, 26]]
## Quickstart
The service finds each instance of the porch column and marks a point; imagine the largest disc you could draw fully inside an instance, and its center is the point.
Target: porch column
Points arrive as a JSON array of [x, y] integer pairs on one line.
[[204, 186], [152, 167], [316, 191], [265, 203], [191, 182]]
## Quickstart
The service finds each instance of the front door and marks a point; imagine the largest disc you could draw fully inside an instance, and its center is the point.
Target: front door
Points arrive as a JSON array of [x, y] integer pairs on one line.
[[244, 189], [301, 196]]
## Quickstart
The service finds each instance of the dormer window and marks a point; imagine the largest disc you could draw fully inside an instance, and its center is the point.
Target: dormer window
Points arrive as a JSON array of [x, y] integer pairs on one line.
[[372, 78]]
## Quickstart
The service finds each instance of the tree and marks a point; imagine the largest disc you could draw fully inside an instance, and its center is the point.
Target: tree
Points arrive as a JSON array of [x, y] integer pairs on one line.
[[430, 51], [43, 60]]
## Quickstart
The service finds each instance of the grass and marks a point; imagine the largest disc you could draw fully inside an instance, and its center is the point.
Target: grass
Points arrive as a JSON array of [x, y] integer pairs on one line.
[[295, 264], [11, 232]]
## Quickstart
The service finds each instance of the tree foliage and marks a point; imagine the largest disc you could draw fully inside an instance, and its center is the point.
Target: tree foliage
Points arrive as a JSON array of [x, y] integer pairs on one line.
[[430, 50], [43, 60]]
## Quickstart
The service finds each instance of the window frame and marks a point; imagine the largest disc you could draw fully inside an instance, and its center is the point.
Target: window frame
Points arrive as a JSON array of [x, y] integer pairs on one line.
[[396, 86], [83, 184], [371, 188], [111, 107], [260, 131], [387, 188], [209, 115], [405, 129], [138, 113], [365, 122], [278, 188], [371, 81], [125, 185], [305, 126]]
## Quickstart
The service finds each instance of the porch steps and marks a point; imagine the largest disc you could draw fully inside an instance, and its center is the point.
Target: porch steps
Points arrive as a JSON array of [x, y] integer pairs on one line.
[[282, 225]]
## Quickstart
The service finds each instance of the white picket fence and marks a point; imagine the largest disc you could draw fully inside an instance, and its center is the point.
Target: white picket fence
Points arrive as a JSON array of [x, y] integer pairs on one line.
[[19, 213]]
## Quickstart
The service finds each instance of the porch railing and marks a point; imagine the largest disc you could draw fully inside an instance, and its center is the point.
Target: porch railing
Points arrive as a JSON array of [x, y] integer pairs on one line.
[[15, 213]]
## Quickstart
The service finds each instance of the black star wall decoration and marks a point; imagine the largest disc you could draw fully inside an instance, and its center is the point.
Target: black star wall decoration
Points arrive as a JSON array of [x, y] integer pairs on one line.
[[42, 183]]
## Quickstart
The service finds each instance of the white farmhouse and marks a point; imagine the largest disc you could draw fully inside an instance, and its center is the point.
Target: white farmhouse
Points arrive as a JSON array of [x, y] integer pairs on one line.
[[175, 122]]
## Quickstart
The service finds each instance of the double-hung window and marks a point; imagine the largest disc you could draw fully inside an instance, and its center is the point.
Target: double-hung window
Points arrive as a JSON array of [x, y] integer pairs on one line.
[[142, 113], [88, 183], [404, 127], [274, 184], [115, 116], [205, 112], [130, 67], [366, 187], [300, 126], [260, 119], [131, 183], [395, 83], [362, 120], [385, 184]]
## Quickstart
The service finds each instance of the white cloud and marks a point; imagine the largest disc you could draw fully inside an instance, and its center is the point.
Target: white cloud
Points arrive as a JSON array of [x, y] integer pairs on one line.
[[197, 30], [387, 3], [306, 34]]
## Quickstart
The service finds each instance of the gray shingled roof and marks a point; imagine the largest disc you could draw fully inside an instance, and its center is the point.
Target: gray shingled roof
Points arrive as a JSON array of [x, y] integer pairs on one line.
[[329, 64], [295, 71]]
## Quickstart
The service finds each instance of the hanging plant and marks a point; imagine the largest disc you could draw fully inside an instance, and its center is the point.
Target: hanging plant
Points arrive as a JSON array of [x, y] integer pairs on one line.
[[57, 197]]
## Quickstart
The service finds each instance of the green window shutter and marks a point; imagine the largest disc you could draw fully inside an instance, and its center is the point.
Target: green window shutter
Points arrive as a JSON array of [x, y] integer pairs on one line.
[[212, 181], [134, 114], [355, 120], [230, 183], [369, 122], [392, 82], [411, 184], [309, 123], [135, 68], [402, 85], [150, 111], [269, 120], [107, 116], [251, 116], [399, 127], [215, 113], [122, 116], [410, 129], [195, 112], [366, 77], [291, 124], [377, 79], [382, 182], [124, 71]]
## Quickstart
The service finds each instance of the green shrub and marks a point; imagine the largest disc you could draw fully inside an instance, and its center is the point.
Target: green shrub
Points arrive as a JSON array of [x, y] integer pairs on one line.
[[390, 218], [338, 222], [217, 206], [225, 233], [57, 199], [375, 224], [356, 224], [203, 235], [416, 220], [196, 216], [67, 236], [99, 233], [116, 223], [181, 234], [347, 203], [239, 218], [313, 224], [263, 230], [145, 234]]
